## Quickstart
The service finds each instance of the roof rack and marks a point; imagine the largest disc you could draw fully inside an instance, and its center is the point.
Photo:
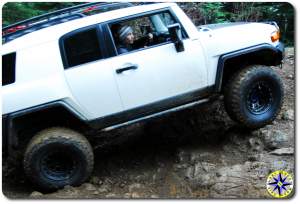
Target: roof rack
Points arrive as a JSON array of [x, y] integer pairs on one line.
[[21, 28]]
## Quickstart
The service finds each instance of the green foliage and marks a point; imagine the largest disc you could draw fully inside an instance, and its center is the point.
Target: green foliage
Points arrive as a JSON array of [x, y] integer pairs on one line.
[[212, 12], [221, 12], [15, 11]]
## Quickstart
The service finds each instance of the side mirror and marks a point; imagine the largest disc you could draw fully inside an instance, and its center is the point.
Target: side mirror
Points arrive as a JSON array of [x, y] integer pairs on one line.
[[176, 36]]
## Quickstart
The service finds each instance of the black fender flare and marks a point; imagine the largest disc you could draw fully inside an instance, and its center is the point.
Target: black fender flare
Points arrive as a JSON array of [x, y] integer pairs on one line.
[[278, 51], [9, 136]]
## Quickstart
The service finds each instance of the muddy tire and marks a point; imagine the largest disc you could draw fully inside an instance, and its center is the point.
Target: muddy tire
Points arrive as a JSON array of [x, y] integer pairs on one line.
[[254, 96], [56, 157]]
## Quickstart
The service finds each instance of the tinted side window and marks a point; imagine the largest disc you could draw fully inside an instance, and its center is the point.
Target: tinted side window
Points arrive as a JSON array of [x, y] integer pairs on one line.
[[82, 47], [143, 31], [8, 68]]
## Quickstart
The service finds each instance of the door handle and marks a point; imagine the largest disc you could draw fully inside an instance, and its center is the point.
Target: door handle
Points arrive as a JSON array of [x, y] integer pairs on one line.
[[126, 68]]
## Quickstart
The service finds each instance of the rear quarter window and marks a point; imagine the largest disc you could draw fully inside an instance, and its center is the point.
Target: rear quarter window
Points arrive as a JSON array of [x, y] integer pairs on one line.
[[8, 69], [81, 47]]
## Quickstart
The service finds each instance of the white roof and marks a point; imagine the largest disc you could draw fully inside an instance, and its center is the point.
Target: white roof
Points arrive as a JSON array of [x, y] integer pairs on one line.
[[55, 32]]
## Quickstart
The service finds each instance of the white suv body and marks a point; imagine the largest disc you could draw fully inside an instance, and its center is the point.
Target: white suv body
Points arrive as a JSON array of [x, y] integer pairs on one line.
[[94, 89]]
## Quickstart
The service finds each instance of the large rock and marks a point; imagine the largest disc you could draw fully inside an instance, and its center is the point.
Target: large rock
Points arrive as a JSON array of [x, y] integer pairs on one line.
[[88, 187], [256, 145], [136, 195], [283, 151], [134, 187], [290, 76], [200, 155], [288, 115], [111, 195], [137, 190], [202, 167], [127, 195], [68, 192], [240, 181], [232, 171], [105, 188], [36, 194], [201, 174], [154, 196], [189, 173], [229, 183], [274, 139]]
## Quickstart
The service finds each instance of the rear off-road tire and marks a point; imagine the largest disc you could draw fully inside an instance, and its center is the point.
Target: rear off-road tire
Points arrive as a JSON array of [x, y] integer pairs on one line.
[[254, 96], [56, 157]]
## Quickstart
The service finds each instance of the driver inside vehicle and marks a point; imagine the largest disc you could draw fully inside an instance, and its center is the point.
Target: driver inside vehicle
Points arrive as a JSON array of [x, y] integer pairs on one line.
[[127, 41], [142, 32]]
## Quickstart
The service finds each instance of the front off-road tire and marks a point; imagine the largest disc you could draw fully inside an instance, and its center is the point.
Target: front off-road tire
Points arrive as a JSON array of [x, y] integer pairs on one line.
[[254, 96], [56, 157]]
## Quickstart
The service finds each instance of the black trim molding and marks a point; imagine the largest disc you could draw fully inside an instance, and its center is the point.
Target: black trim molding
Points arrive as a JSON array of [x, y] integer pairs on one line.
[[151, 108]]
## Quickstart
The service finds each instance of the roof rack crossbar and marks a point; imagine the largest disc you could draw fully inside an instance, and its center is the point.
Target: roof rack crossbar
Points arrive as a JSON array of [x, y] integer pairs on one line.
[[48, 23], [45, 18]]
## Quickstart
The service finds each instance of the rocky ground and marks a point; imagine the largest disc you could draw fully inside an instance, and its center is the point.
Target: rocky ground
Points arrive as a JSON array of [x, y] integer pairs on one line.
[[196, 153]]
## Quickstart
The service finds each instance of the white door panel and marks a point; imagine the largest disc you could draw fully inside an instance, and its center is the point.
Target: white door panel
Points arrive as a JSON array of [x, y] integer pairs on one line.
[[162, 73], [93, 86]]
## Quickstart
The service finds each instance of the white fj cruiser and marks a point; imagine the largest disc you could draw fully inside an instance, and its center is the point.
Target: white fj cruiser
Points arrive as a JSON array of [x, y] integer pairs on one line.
[[63, 79]]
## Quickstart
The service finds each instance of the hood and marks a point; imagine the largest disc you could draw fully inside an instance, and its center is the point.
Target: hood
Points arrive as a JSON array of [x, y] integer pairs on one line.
[[227, 37], [219, 25]]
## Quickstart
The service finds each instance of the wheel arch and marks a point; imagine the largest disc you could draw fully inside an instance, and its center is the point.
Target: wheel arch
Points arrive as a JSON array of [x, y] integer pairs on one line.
[[15, 125], [229, 63]]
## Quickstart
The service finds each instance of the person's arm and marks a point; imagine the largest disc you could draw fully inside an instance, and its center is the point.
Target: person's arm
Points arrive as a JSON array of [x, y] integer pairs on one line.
[[141, 42], [122, 50]]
